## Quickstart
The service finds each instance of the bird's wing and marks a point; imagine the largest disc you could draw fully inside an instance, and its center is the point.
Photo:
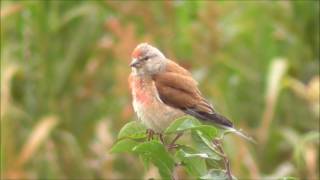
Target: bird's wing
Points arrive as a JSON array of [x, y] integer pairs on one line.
[[179, 90], [175, 68]]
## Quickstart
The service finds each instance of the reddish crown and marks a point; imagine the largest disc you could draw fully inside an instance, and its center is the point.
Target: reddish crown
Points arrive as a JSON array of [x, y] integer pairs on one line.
[[136, 53], [141, 49]]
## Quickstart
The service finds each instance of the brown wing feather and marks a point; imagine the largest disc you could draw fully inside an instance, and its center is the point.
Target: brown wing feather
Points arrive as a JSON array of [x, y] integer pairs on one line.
[[178, 89], [175, 68], [175, 97], [177, 81]]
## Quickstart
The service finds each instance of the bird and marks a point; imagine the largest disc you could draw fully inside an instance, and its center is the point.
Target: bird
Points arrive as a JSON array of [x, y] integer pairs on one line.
[[163, 91]]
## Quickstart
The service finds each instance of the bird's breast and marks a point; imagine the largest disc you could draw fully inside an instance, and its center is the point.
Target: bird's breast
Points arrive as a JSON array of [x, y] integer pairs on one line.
[[142, 91], [149, 107]]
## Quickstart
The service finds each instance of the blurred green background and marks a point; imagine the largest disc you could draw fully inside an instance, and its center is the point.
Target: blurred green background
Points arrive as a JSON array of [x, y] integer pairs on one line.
[[65, 95]]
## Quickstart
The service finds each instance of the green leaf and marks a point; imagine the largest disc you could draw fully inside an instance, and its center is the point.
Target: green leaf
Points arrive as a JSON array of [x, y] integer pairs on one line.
[[193, 162], [203, 144], [146, 162], [124, 145], [216, 174], [134, 130], [311, 136], [188, 123], [210, 132], [158, 155], [182, 124], [194, 154]]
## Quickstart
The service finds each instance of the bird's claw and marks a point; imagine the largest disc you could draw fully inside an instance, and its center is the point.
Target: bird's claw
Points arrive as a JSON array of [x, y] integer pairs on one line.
[[150, 133], [172, 146]]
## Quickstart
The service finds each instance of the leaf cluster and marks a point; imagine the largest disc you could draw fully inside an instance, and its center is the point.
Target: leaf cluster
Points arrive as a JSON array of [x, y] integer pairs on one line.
[[200, 159]]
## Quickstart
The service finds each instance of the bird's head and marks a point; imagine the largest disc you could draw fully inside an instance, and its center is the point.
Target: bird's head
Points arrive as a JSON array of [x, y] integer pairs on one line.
[[147, 60]]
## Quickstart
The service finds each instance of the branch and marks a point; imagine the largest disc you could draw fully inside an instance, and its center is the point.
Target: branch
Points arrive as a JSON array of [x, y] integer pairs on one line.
[[218, 144]]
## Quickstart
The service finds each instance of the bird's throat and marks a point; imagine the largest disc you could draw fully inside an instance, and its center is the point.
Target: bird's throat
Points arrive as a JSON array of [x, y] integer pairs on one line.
[[142, 90]]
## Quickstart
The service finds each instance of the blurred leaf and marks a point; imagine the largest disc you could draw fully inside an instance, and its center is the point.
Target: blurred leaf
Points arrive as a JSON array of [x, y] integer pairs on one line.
[[7, 75], [312, 136], [290, 136], [133, 129], [10, 10], [40, 132], [288, 178], [282, 170], [71, 156], [216, 174], [125, 145], [85, 9], [277, 70], [158, 155], [300, 149]]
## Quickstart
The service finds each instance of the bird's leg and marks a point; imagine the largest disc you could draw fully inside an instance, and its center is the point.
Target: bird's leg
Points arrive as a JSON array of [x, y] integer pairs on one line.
[[172, 145], [176, 138], [161, 138], [150, 134]]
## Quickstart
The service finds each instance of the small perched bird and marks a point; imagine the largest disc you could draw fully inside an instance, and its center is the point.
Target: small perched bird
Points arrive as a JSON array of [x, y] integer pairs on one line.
[[163, 91]]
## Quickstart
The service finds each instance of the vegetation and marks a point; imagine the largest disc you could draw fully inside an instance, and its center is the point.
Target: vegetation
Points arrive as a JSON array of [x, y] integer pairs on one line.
[[199, 158], [65, 96]]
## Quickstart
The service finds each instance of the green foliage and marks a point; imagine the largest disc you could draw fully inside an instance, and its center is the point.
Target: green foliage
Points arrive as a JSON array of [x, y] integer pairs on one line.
[[134, 130], [182, 124], [192, 158], [125, 145], [193, 162], [157, 154], [288, 178], [70, 59], [216, 174]]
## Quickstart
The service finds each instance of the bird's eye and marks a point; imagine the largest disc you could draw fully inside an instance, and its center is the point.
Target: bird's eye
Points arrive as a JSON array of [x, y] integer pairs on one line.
[[144, 58]]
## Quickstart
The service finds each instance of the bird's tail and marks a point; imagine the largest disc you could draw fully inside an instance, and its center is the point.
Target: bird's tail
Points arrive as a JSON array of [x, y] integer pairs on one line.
[[228, 126], [220, 121], [210, 117]]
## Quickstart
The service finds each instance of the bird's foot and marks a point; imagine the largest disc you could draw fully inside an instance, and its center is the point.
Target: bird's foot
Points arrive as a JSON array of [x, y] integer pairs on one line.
[[173, 144], [161, 138], [176, 138], [150, 133]]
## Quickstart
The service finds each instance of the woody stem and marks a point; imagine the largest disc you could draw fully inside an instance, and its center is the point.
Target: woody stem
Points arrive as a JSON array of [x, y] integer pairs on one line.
[[226, 161]]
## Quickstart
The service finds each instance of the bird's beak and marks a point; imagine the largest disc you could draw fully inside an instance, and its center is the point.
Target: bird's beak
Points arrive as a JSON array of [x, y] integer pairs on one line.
[[135, 63]]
